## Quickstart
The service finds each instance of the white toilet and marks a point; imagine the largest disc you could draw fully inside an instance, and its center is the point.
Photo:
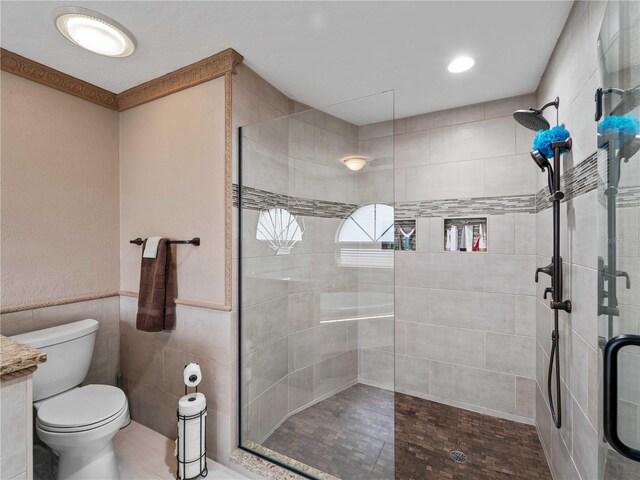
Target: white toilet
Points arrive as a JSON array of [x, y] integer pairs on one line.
[[78, 423]]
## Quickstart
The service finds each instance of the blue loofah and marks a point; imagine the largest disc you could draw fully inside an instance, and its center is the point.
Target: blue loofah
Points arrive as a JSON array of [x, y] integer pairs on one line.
[[626, 126], [543, 140]]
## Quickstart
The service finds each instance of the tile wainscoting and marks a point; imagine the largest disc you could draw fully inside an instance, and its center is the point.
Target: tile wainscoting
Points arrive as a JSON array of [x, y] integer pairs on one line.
[[105, 362], [152, 366]]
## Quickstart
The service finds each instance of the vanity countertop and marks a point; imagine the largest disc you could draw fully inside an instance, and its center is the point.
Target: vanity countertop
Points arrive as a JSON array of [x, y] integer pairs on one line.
[[15, 356]]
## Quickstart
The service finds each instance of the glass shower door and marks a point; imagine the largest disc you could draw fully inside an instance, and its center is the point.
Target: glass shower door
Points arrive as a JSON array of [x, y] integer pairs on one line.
[[317, 290], [618, 113]]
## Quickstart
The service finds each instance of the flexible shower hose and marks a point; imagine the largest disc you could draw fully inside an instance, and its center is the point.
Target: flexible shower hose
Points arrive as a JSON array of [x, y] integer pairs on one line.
[[555, 359]]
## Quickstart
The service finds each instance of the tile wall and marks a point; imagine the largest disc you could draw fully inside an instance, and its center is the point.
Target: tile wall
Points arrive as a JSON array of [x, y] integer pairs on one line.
[[572, 74], [152, 367], [465, 323], [457, 315], [291, 355], [106, 357]]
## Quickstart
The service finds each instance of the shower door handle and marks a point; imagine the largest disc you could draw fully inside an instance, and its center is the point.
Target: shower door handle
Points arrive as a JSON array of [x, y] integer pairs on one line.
[[611, 351]]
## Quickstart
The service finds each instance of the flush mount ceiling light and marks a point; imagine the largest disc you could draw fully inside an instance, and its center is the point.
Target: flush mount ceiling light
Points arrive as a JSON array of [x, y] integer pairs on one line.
[[354, 163], [94, 31], [461, 64]]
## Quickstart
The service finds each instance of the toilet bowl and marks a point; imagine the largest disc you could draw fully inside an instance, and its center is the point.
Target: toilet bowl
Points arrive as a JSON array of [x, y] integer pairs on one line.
[[78, 423]]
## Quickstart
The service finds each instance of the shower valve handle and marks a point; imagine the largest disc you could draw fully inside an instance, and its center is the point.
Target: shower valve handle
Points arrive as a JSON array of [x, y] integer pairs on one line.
[[625, 275], [546, 291], [548, 270]]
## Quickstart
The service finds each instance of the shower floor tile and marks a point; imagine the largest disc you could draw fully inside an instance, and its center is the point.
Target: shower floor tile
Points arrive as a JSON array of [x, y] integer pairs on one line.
[[351, 435]]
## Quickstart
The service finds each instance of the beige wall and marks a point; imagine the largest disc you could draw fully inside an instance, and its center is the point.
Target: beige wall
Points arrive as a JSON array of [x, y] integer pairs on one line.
[[172, 184], [59, 195], [85, 180]]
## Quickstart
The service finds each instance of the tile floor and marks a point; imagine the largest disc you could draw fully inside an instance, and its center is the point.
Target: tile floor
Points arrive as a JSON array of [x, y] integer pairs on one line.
[[355, 435], [144, 454]]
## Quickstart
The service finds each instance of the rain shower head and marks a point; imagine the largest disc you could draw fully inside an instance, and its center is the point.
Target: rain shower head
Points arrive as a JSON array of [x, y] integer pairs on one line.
[[533, 119]]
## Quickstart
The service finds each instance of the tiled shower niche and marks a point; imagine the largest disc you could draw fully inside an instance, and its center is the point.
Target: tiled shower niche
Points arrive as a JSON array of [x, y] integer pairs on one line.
[[458, 232], [405, 234]]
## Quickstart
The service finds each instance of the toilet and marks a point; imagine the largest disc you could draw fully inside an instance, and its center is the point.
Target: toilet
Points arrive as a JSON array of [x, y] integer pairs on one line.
[[78, 423]]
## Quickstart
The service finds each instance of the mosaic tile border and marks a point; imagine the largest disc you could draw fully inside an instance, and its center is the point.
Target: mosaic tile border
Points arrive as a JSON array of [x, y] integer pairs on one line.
[[256, 199], [467, 207], [581, 179]]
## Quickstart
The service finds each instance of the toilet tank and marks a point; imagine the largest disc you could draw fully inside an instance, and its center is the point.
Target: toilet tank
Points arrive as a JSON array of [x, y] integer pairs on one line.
[[69, 349]]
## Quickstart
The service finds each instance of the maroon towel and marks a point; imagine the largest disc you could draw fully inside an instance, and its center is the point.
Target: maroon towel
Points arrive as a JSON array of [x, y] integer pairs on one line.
[[156, 299]]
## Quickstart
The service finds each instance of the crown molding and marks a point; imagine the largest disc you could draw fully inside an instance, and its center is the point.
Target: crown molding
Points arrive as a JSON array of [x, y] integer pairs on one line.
[[206, 69], [215, 66], [50, 77]]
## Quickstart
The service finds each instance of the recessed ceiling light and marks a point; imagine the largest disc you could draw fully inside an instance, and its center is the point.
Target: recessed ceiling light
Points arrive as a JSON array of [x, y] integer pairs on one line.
[[354, 163], [461, 64], [94, 31]]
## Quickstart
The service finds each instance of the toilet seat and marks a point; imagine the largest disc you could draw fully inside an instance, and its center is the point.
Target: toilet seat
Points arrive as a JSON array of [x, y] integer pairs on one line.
[[81, 409]]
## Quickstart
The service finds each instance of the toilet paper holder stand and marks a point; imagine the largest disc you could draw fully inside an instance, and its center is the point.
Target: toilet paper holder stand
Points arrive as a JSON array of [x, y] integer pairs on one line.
[[202, 457]]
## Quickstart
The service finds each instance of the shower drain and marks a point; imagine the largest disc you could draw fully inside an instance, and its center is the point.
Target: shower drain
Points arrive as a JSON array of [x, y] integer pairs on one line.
[[457, 456]]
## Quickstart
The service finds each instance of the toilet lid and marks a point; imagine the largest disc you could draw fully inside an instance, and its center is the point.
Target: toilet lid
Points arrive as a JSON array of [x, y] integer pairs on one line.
[[82, 407]]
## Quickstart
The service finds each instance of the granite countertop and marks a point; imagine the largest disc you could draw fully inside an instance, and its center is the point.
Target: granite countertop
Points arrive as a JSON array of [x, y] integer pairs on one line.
[[15, 356]]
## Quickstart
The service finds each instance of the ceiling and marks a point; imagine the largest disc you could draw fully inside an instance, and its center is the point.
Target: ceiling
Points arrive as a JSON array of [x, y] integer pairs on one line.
[[318, 53]]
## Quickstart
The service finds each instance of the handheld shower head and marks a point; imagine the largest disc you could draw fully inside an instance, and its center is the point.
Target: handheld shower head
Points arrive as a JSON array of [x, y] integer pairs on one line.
[[533, 119], [543, 163], [540, 160]]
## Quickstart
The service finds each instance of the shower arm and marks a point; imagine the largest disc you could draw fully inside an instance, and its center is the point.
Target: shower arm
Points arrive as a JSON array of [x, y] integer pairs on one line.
[[555, 103]]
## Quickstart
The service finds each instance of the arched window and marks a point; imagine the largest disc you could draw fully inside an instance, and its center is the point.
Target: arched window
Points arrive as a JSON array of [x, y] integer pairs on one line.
[[279, 229], [366, 237], [370, 223]]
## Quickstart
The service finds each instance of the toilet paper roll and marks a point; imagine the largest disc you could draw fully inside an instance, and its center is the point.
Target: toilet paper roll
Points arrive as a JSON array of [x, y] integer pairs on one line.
[[192, 403], [192, 375], [191, 435]]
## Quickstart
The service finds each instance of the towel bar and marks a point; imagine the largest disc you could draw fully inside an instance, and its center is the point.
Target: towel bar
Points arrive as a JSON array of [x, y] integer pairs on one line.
[[195, 241]]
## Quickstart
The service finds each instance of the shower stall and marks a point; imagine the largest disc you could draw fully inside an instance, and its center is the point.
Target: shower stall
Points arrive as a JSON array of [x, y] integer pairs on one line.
[[390, 324], [368, 343], [317, 288]]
